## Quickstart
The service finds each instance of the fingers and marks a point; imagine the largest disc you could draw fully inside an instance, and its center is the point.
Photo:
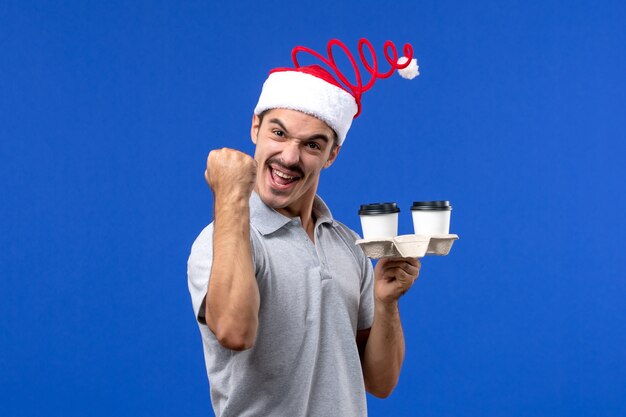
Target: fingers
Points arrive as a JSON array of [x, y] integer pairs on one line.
[[402, 271], [399, 274], [392, 260], [230, 172], [412, 261], [409, 265], [395, 276]]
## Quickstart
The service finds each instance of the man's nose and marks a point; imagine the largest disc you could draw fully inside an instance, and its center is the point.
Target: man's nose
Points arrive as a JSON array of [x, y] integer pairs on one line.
[[291, 154]]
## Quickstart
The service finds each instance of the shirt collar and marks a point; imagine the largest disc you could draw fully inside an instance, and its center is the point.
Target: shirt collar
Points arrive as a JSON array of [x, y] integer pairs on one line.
[[267, 220], [321, 211]]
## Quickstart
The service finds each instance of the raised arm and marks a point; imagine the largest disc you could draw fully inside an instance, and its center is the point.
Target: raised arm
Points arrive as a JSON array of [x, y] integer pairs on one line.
[[232, 299], [382, 346]]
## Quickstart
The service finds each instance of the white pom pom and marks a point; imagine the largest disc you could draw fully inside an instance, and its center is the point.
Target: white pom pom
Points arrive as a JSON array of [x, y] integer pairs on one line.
[[410, 72]]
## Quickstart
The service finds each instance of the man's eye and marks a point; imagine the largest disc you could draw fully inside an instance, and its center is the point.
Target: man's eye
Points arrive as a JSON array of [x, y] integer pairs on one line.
[[279, 133], [314, 145]]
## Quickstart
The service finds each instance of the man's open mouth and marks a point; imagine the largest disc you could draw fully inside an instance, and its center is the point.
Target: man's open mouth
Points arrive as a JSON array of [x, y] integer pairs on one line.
[[281, 178]]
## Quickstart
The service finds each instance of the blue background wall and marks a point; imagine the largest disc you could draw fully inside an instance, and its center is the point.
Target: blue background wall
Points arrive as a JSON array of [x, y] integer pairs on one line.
[[107, 113]]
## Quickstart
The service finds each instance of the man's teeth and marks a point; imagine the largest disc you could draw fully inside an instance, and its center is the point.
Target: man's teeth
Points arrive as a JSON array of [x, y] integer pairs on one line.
[[282, 175]]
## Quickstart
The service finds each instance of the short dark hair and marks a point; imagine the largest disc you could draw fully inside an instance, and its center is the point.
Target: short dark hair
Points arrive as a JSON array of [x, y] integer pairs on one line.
[[335, 138]]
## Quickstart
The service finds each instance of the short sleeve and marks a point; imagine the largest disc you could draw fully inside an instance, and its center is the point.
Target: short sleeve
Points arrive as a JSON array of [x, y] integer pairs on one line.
[[366, 303], [199, 270], [199, 267]]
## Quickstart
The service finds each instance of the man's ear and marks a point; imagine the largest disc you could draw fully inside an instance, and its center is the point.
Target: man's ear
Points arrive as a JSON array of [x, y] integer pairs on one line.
[[333, 155], [254, 129]]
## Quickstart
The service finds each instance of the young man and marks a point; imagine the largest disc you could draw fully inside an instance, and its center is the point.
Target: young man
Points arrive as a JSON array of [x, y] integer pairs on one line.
[[294, 320]]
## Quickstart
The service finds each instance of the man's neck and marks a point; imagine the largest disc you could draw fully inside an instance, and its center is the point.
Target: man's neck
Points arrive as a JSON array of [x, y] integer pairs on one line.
[[304, 210]]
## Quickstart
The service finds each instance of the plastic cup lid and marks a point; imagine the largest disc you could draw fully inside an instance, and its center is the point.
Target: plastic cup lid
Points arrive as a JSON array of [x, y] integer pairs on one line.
[[378, 208], [431, 205]]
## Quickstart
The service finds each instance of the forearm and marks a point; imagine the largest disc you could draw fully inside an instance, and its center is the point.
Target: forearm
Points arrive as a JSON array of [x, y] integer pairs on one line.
[[232, 300], [384, 351]]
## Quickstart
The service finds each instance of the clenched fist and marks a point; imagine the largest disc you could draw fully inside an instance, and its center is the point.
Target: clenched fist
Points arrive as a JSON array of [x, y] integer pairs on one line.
[[230, 173]]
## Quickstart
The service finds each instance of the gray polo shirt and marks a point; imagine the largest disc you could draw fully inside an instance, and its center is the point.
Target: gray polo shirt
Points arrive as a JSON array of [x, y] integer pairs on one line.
[[314, 298]]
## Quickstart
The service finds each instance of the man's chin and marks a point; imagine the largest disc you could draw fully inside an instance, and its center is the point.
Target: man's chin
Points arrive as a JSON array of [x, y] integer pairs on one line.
[[276, 199]]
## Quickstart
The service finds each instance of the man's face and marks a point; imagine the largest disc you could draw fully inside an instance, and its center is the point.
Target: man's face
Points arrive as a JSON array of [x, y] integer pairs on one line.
[[292, 148]]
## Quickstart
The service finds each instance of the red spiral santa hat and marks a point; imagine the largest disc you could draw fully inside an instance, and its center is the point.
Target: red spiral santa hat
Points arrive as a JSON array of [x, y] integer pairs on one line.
[[331, 98]]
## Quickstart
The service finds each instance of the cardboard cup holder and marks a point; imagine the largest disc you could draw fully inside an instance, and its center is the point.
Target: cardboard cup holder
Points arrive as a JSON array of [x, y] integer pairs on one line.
[[407, 246]]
